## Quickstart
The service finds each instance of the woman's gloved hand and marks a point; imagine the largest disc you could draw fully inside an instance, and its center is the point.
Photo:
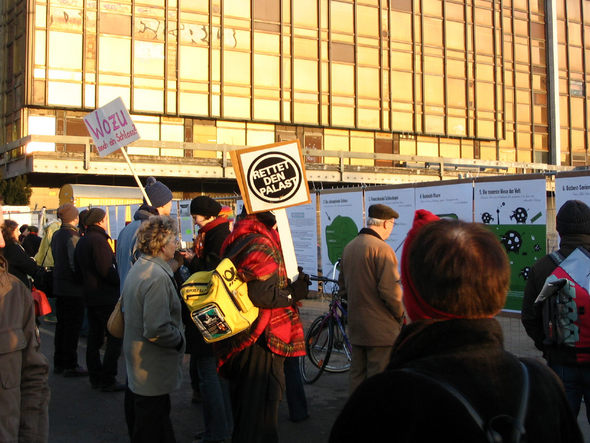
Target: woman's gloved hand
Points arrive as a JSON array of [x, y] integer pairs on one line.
[[300, 287]]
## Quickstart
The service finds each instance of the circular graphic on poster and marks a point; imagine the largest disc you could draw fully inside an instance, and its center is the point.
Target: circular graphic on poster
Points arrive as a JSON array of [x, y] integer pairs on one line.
[[274, 177]]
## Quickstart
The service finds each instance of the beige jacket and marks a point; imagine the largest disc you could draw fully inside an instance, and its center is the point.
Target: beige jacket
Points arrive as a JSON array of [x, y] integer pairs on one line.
[[370, 278], [24, 391]]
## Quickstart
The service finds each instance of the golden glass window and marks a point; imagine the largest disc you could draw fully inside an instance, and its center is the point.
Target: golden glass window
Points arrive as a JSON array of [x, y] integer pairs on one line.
[[236, 67], [432, 31], [266, 71], [114, 55], [341, 15], [401, 85], [305, 76], [368, 82], [367, 21], [433, 90], [304, 13], [65, 59], [193, 63]]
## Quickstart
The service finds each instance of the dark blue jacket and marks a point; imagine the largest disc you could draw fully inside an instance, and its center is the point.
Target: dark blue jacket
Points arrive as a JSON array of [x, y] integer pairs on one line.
[[63, 245]]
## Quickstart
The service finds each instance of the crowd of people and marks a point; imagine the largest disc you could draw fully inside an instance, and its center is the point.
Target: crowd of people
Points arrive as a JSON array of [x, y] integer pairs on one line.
[[428, 358]]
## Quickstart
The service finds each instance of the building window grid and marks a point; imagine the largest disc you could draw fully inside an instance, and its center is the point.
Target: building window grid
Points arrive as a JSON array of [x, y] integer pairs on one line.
[[84, 82]]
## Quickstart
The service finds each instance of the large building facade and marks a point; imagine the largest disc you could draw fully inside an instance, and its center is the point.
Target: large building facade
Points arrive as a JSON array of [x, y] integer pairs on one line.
[[499, 83]]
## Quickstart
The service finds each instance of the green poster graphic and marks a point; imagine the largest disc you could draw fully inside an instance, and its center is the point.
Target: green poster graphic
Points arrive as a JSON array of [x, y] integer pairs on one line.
[[524, 244], [338, 233]]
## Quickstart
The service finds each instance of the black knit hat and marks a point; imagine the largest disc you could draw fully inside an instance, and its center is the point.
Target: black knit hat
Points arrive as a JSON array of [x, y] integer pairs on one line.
[[382, 212], [158, 193], [573, 218], [94, 216], [205, 206]]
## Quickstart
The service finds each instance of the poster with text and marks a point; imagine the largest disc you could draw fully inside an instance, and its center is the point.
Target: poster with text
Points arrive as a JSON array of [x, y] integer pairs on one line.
[[571, 187], [341, 218], [302, 220], [453, 200], [187, 232], [401, 200], [516, 211]]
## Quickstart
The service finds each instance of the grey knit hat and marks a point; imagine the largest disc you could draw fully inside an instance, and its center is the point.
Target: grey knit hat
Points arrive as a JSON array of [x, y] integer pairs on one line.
[[67, 213], [573, 218], [158, 193]]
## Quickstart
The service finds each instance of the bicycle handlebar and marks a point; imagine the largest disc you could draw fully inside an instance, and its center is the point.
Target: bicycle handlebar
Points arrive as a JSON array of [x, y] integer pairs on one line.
[[322, 279]]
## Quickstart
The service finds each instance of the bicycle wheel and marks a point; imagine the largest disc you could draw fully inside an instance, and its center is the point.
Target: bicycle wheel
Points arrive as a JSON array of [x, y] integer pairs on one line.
[[340, 355], [318, 345]]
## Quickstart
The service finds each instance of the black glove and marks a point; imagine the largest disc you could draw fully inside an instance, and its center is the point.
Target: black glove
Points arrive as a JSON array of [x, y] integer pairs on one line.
[[300, 287]]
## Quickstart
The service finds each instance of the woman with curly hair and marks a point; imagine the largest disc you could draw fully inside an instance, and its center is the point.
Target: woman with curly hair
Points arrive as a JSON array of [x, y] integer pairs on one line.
[[19, 263], [153, 343]]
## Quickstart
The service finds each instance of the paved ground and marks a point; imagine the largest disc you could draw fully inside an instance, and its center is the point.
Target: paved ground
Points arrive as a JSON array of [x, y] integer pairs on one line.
[[80, 414]]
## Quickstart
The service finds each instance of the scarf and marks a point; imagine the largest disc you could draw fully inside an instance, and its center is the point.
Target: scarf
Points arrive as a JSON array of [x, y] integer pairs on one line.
[[262, 257], [200, 240], [416, 307]]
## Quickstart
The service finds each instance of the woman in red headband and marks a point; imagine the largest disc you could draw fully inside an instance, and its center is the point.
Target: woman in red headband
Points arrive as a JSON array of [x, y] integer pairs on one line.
[[455, 278]]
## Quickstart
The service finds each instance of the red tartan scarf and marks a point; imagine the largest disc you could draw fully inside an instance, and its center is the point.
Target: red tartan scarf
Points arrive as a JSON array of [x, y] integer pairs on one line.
[[200, 240], [262, 257], [416, 306]]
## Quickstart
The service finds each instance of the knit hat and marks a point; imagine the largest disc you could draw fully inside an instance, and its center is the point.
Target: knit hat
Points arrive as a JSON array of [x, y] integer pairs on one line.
[[267, 217], [94, 216], [33, 229], [205, 206], [226, 212], [573, 218], [158, 193], [67, 213], [382, 212]]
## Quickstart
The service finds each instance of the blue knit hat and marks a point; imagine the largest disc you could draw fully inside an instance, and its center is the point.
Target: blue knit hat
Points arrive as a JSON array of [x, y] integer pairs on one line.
[[158, 193]]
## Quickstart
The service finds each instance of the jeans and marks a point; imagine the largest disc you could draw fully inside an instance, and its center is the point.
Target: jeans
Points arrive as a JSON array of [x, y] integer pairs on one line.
[[70, 313], [576, 381], [217, 411], [102, 373]]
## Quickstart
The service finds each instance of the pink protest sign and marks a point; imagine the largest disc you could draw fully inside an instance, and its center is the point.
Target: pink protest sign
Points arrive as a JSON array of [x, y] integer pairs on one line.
[[111, 127]]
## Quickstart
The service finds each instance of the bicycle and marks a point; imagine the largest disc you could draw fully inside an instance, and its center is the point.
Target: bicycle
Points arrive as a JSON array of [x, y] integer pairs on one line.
[[326, 343]]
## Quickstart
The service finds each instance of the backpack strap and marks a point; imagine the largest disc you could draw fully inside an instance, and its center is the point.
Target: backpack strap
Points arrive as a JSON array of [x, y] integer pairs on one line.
[[487, 428], [556, 257], [238, 247]]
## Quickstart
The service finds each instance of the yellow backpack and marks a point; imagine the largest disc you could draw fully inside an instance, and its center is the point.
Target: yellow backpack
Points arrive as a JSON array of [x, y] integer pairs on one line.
[[218, 301]]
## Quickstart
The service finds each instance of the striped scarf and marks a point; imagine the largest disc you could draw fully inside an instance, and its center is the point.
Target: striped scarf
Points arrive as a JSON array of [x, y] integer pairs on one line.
[[261, 258]]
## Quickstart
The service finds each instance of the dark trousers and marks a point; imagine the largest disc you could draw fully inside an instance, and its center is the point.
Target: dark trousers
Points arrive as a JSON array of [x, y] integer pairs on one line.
[[148, 418], [102, 373], [576, 381], [257, 382], [70, 313], [296, 399]]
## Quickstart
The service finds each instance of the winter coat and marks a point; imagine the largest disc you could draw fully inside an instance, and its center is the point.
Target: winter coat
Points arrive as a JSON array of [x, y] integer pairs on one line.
[[469, 355], [63, 245], [31, 244], [20, 264], [126, 254], [370, 278], [153, 343], [532, 316], [44, 257], [195, 344], [95, 262], [24, 391]]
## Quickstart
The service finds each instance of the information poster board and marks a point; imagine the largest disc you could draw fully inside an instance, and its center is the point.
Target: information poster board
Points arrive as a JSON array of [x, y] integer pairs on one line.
[[302, 220], [187, 229], [571, 187], [516, 211], [402, 200], [341, 218], [453, 200]]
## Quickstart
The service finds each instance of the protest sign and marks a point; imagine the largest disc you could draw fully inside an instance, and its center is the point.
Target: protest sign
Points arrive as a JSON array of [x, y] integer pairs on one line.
[[271, 176], [111, 127]]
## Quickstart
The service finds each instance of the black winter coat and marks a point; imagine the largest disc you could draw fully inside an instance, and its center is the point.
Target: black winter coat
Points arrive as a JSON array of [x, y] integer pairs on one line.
[[532, 316], [469, 355], [195, 344], [95, 262], [63, 244], [20, 264]]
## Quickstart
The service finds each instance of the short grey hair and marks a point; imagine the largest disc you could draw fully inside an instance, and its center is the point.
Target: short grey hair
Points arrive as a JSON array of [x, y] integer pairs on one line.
[[374, 221]]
